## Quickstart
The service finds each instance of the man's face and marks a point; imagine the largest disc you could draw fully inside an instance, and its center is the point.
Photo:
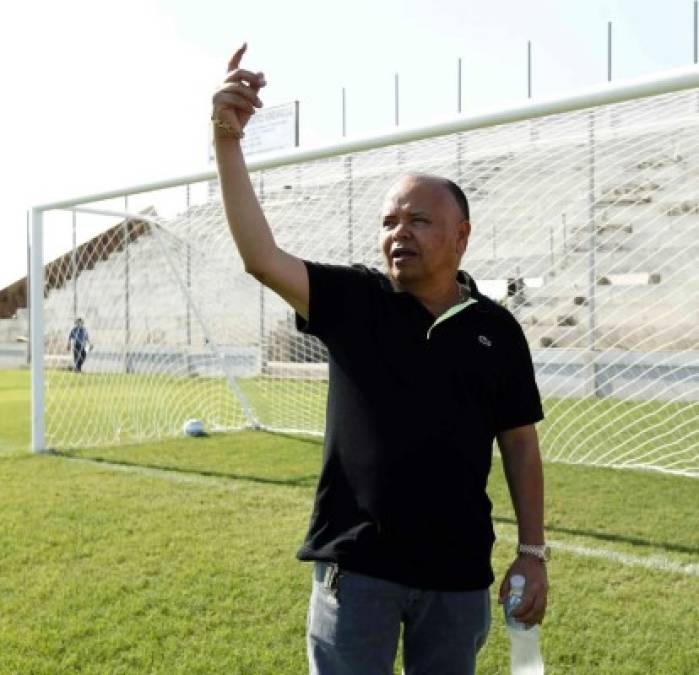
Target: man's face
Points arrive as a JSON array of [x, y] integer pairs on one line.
[[423, 232]]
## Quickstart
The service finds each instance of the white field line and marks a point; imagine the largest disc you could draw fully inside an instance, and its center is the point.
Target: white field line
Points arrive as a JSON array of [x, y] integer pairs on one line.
[[171, 475], [653, 562]]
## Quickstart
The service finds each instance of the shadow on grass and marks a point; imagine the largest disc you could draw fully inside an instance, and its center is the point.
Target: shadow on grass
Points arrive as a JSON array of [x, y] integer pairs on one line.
[[302, 481], [310, 480], [610, 536], [312, 440]]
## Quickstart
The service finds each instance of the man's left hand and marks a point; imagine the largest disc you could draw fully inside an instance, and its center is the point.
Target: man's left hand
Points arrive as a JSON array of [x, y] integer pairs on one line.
[[533, 606]]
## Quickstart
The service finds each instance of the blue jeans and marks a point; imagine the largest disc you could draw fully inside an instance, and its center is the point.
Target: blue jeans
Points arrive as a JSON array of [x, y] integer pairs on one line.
[[354, 625]]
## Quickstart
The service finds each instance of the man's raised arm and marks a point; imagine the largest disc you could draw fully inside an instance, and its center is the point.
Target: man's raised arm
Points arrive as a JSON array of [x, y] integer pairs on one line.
[[234, 103]]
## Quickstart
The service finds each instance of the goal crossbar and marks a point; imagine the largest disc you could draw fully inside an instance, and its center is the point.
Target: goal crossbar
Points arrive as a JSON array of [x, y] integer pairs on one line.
[[671, 81]]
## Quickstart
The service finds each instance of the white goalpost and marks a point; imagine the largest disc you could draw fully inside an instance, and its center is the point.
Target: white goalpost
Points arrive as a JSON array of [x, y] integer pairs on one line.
[[585, 223]]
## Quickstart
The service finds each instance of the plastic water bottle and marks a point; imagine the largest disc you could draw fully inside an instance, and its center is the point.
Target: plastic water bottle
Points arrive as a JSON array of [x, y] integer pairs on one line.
[[525, 654]]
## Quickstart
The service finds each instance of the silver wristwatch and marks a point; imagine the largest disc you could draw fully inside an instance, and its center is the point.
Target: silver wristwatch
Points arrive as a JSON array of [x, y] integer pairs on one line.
[[540, 551]]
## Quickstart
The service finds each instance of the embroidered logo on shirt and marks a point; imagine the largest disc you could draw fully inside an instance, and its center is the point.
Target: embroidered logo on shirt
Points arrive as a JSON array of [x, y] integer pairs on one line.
[[484, 341]]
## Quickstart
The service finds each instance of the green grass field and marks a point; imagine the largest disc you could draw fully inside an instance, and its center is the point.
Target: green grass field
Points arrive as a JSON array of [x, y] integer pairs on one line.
[[178, 557]]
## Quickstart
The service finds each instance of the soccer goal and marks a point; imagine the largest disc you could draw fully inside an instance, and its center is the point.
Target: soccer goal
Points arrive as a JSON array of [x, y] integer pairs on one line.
[[585, 224]]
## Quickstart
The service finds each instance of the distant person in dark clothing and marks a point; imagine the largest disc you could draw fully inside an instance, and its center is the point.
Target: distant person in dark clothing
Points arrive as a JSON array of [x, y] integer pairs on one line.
[[80, 344]]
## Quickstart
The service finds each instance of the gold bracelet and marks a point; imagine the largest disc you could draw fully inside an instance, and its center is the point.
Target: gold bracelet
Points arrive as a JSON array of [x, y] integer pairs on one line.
[[225, 130]]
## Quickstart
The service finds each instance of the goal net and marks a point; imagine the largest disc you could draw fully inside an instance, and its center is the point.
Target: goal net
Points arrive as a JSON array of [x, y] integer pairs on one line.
[[585, 225]]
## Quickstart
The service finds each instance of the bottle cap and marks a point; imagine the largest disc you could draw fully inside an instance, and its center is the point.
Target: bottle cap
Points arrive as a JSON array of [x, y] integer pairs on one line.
[[517, 582]]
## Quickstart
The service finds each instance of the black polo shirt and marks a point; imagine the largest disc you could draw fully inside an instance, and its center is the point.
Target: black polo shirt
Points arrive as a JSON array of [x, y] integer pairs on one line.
[[413, 408]]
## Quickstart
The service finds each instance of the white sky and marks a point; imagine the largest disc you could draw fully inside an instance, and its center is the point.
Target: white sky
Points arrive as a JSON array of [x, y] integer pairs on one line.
[[100, 95]]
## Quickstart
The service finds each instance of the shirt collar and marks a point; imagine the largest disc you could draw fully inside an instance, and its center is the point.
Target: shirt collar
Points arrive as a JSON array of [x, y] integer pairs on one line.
[[464, 278]]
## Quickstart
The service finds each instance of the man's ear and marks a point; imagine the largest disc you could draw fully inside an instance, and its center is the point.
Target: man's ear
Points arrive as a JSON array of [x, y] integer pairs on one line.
[[463, 233]]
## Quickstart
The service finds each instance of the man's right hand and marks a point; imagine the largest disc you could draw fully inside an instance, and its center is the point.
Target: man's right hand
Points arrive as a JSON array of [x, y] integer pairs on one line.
[[235, 101]]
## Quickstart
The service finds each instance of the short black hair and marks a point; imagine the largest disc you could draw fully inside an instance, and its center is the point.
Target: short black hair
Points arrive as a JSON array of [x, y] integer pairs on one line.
[[454, 190], [458, 194]]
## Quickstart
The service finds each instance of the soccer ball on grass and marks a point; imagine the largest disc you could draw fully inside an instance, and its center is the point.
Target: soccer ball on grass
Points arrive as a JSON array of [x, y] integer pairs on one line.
[[194, 427]]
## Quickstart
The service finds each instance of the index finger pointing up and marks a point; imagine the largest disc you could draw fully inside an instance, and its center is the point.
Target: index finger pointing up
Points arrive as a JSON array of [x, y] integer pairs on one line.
[[237, 57]]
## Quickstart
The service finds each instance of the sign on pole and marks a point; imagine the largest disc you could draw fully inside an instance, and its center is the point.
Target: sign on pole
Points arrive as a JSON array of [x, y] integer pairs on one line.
[[270, 129]]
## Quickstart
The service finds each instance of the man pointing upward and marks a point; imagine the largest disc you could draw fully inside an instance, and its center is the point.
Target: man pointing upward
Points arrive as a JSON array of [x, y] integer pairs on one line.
[[425, 373]]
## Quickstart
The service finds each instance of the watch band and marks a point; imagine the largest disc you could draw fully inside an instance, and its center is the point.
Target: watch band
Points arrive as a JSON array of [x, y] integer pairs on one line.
[[540, 551]]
